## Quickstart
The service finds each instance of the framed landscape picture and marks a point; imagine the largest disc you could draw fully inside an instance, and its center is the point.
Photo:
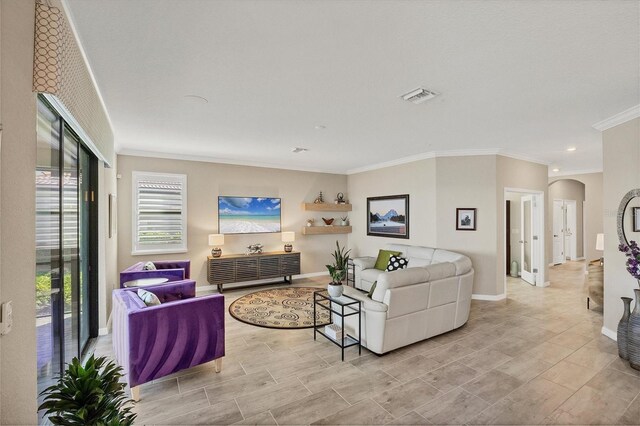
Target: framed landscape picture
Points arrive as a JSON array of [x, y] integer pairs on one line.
[[465, 219], [388, 216]]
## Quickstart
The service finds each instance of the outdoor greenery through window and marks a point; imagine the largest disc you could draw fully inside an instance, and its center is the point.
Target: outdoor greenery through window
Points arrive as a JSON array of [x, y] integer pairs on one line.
[[160, 213]]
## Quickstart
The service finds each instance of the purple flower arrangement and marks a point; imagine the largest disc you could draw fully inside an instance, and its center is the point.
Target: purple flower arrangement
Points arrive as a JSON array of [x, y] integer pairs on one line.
[[632, 251]]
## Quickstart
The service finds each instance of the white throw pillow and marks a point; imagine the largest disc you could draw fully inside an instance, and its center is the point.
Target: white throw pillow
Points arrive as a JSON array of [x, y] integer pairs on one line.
[[149, 266], [148, 298]]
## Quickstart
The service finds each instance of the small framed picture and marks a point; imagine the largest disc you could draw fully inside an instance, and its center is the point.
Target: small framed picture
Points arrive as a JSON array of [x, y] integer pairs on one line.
[[465, 219], [636, 219]]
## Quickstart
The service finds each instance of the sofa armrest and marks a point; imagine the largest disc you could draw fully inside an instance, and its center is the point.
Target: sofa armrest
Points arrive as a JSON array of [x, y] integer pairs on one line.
[[170, 274], [367, 303], [366, 262], [170, 337], [173, 291], [175, 264]]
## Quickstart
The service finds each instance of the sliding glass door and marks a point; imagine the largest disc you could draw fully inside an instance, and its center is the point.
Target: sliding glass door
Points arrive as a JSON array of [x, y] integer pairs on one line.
[[66, 284]]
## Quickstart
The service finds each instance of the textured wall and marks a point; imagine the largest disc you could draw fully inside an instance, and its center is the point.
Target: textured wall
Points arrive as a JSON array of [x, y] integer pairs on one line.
[[17, 203], [205, 181]]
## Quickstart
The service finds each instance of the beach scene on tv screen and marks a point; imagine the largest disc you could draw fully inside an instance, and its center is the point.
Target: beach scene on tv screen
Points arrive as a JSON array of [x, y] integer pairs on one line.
[[245, 215]]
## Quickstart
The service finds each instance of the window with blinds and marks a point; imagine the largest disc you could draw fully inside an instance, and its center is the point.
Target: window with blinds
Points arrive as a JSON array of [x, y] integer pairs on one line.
[[160, 213]]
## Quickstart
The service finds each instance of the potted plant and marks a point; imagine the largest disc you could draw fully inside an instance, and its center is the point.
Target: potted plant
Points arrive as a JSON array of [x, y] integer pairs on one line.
[[89, 395], [344, 220], [338, 270]]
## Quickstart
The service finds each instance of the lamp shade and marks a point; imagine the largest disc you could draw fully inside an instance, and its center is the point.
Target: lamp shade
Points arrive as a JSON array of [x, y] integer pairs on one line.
[[216, 239], [288, 237], [600, 242]]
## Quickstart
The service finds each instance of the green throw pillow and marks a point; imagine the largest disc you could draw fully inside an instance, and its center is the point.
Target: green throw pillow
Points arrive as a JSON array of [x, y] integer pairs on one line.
[[373, 288], [383, 259]]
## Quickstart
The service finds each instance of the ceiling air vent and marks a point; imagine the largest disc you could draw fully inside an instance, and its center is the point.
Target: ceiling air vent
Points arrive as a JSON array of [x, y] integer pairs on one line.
[[419, 95]]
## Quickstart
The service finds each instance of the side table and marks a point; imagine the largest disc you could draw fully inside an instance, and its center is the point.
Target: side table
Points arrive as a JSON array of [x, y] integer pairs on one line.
[[342, 307]]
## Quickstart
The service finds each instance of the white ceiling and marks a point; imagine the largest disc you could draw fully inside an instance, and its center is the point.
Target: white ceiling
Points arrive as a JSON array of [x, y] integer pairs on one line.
[[528, 78]]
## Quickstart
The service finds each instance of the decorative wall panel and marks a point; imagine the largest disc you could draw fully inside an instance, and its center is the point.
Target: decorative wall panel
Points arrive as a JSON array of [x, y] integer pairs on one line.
[[59, 69]]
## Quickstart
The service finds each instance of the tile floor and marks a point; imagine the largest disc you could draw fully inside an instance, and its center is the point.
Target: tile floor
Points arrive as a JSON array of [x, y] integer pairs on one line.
[[535, 358]]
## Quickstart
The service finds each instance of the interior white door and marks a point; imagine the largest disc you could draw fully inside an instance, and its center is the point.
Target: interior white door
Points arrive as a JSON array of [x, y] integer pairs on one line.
[[526, 243], [570, 237], [558, 228]]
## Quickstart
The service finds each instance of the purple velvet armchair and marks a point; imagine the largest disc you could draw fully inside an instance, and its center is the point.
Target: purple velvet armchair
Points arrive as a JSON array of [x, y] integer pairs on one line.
[[150, 342], [173, 270]]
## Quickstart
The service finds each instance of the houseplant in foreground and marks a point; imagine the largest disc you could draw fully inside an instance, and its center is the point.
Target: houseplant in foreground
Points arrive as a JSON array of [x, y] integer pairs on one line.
[[88, 395], [632, 251], [338, 270]]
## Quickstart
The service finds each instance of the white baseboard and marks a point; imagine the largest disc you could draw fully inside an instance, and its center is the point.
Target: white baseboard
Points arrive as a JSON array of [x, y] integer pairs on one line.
[[488, 297], [103, 331], [544, 284], [610, 334], [267, 281]]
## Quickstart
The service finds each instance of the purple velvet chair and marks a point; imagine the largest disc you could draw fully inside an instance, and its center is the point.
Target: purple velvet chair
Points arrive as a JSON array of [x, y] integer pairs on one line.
[[150, 342], [173, 270]]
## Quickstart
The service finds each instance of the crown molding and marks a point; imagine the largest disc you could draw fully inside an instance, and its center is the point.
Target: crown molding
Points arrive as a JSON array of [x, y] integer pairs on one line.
[[622, 117], [391, 163], [205, 159], [575, 172]]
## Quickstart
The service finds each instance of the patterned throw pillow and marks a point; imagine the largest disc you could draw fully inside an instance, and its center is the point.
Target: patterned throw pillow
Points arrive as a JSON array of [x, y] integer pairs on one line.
[[149, 266], [148, 298], [396, 262]]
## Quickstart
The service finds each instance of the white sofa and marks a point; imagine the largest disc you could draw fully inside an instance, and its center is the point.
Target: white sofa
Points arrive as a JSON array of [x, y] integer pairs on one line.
[[430, 297]]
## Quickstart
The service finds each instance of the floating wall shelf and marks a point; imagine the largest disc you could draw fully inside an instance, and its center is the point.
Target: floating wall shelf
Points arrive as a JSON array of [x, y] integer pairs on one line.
[[320, 230], [326, 207]]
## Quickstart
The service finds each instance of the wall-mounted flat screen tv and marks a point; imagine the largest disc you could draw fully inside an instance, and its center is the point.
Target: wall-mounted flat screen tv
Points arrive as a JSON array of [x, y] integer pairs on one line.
[[248, 215]]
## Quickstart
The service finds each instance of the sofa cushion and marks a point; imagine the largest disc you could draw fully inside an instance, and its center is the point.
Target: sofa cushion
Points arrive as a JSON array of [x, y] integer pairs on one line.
[[396, 263], [372, 289], [461, 262], [438, 271], [149, 266], [148, 298], [399, 278], [370, 275], [383, 258], [418, 252]]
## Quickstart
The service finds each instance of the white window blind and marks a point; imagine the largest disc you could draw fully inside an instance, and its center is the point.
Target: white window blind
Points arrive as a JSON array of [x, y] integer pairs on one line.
[[160, 213]]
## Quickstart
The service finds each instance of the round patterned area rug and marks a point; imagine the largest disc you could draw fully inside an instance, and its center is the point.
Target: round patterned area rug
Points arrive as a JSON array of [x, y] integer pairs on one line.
[[287, 307]]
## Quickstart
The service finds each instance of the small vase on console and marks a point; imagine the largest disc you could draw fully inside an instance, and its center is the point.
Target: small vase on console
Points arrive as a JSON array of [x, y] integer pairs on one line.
[[623, 327]]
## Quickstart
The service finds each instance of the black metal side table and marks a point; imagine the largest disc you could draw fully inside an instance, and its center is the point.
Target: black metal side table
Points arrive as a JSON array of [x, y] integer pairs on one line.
[[351, 273], [343, 307]]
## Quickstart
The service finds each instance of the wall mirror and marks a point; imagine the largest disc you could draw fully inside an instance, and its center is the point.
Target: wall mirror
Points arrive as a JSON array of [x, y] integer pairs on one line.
[[629, 217]]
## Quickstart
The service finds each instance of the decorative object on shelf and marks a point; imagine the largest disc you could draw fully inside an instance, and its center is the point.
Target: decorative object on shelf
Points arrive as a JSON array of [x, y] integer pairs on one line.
[[338, 270], [288, 237], [249, 215], [633, 334], [340, 198], [344, 220], [334, 331], [319, 199], [310, 222], [388, 216], [254, 249], [466, 219], [327, 222], [600, 246], [623, 327], [216, 240]]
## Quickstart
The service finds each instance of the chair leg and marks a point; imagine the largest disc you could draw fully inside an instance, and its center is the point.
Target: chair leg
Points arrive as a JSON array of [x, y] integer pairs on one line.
[[218, 365], [135, 393]]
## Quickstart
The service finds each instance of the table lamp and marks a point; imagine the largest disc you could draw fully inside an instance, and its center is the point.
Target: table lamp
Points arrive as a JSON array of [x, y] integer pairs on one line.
[[216, 240], [288, 237], [600, 245]]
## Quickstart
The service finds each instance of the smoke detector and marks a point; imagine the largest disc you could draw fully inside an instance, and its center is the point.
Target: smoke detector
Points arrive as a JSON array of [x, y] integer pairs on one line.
[[419, 95], [297, 150]]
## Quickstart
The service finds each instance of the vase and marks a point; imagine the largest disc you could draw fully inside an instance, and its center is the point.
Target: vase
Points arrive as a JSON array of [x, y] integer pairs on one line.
[[633, 334], [623, 327], [334, 290]]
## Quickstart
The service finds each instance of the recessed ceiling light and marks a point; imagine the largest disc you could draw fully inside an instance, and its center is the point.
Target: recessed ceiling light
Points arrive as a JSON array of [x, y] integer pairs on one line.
[[298, 150], [556, 169], [571, 149], [321, 127], [196, 98]]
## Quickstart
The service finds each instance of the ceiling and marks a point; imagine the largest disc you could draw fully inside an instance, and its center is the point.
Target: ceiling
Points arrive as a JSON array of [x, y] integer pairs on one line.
[[526, 78]]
